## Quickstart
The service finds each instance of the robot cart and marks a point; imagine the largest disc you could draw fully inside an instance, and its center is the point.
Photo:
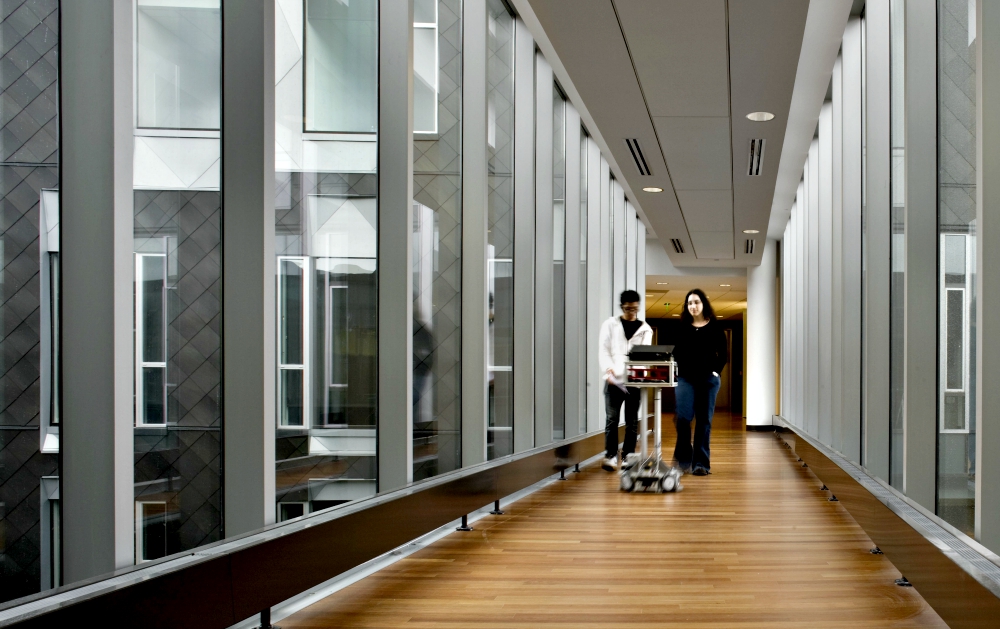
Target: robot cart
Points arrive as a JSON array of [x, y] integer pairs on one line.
[[643, 471]]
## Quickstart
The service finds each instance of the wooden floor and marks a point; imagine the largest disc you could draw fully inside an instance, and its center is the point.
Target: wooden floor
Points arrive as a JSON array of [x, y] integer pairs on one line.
[[754, 545]]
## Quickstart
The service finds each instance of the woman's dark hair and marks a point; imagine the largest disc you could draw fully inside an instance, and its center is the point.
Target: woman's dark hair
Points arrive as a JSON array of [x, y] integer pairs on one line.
[[706, 307], [629, 297]]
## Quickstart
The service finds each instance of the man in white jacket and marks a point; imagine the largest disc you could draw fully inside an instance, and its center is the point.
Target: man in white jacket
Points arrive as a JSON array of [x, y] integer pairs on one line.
[[618, 336]]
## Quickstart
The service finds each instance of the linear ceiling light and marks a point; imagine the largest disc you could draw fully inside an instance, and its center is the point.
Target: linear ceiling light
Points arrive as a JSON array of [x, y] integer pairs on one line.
[[652, 189], [725, 285], [751, 231], [662, 283], [760, 116]]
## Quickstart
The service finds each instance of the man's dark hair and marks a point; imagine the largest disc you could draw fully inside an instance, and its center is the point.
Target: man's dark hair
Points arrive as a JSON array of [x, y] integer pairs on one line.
[[629, 297]]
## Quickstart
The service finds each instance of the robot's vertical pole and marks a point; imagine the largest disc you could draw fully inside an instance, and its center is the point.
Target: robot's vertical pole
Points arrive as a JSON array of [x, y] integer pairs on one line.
[[659, 429], [643, 412]]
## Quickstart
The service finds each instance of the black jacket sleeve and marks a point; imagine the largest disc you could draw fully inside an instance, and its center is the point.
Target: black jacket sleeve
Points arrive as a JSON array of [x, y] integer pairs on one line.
[[720, 349]]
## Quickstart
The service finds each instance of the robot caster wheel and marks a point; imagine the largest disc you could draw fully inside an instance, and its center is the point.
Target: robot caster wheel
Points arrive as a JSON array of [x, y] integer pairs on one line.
[[626, 483]]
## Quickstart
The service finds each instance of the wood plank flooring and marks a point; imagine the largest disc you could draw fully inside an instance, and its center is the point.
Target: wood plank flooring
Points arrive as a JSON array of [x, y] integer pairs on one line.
[[754, 545]]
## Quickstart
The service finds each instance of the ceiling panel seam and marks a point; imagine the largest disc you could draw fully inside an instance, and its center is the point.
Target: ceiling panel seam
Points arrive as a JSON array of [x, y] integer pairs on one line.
[[659, 145], [729, 85]]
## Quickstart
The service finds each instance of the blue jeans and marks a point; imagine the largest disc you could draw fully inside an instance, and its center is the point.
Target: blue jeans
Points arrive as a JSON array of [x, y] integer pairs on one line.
[[695, 400]]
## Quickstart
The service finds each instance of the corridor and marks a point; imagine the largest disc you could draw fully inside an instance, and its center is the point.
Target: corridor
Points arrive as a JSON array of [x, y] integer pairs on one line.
[[756, 544]]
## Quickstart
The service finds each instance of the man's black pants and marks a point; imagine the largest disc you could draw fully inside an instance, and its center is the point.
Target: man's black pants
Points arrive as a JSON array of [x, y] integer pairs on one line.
[[613, 398]]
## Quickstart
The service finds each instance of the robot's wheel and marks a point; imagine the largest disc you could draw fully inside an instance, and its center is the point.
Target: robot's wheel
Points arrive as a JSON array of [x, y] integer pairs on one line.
[[626, 483], [669, 483]]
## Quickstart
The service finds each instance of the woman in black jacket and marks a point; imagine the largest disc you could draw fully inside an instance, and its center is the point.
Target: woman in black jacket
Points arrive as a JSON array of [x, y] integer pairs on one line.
[[701, 353]]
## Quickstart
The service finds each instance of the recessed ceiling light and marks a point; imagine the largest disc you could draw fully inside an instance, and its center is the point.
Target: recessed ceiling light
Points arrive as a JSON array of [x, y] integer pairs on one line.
[[725, 285], [662, 283], [751, 231], [652, 189], [676, 315], [760, 116]]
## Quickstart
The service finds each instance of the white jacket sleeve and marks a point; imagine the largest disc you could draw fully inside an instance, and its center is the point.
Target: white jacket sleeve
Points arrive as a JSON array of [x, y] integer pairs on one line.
[[605, 351]]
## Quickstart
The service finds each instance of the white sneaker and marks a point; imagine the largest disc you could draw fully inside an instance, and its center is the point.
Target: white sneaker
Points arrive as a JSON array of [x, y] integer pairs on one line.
[[610, 464]]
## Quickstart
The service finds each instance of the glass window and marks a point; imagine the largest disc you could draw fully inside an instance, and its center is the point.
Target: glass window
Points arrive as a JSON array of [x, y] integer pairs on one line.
[[291, 329], [178, 64], [29, 179], [341, 54], [151, 523], [437, 243], [897, 249], [177, 241], [558, 264], [326, 243], [956, 447], [500, 237], [426, 64], [864, 223], [151, 338], [582, 370]]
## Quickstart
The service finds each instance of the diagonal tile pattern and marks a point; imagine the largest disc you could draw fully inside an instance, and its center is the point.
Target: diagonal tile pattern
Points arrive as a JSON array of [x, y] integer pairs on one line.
[[437, 186], [181, 464], [28, 149]]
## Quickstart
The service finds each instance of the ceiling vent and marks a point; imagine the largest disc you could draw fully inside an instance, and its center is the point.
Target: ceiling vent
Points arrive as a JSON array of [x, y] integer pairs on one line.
[[748, 248], [756, 156], [637, 156], [678, 247]]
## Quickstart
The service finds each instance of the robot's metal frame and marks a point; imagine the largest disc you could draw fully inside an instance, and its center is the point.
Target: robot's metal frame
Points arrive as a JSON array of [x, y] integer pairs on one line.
[[645, 471]]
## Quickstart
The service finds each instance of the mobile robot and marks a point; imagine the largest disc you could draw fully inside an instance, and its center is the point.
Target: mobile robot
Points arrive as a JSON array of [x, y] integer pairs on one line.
[[643, 471]]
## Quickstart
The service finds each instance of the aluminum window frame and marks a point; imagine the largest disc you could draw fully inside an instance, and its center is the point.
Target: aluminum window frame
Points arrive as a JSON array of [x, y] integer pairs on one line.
[[943, 291], [140, 334], [303, 262]]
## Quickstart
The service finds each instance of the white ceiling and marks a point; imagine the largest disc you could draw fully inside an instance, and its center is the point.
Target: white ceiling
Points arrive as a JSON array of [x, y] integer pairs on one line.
[[680, 76]]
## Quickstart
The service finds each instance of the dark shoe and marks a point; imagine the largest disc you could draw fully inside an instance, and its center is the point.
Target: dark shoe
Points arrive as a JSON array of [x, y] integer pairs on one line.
[[700, 471]]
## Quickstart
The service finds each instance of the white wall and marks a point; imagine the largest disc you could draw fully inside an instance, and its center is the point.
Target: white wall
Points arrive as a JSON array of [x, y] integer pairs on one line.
[[761, 337]]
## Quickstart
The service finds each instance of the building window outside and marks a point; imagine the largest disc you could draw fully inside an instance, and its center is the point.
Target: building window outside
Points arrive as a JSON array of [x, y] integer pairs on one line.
[[178, 319], [426, 62], [500, 152], [437, 248], [558, 264], [341, 66], [956, 447], [178, 64], [151, 339], [292, 323], [326, 245], [897, 254], [151, 519]]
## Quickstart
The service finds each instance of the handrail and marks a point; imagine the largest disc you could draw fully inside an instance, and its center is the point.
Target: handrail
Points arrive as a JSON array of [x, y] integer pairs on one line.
[[958, 577], [223, 583]]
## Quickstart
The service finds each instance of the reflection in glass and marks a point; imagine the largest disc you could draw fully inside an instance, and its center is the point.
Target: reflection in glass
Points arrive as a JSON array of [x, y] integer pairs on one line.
[[558, 264], [178, 64], [437, 252], [897, 250], [291, 397], [341, 65], [326, 236], [151, 337], [177, 445], [151, 525], [956, 447], [426, 67], [500, 151]]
